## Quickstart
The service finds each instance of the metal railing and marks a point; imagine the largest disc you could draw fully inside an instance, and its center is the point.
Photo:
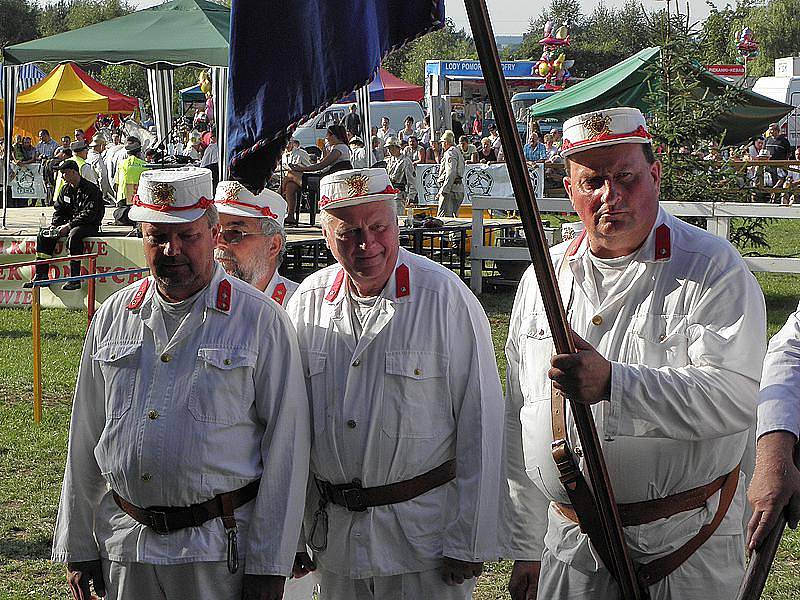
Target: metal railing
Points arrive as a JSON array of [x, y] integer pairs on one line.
[[718, 216], [36, 309]]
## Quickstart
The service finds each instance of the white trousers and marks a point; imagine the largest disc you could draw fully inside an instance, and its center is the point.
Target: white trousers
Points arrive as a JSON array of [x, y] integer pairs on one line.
[[191, 581], [427, 585], [714, 572]]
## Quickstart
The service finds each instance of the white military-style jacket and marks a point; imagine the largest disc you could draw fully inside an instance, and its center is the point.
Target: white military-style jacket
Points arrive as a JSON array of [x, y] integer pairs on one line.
[[280, 289], [451, 172], [418, 388], [176, 422], [779, 399], [684, 328]]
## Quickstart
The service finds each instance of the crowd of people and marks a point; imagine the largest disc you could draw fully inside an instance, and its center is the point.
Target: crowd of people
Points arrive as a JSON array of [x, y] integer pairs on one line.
[[231, 429], [110, 159]]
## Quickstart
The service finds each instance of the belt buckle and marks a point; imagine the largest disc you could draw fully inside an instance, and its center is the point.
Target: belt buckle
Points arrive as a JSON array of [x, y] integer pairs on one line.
[[158, 522], [354, 499]]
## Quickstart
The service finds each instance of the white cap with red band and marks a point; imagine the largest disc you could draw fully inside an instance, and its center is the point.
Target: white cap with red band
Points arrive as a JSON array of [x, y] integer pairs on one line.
[[232, 198], [604, 128], [355, 186], [172, 195]]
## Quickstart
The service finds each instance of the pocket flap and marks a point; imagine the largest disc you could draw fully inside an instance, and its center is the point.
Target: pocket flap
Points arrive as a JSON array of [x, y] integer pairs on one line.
[[227, 358], [316, 362], [416, 364], [113, 352], [536, 327]]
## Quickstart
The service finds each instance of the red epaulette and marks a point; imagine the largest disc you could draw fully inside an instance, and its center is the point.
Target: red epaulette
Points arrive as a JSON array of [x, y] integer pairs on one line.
[[138, 298], [279, 293], [337, 285], [663, 242], [224, 295], [402, 282]]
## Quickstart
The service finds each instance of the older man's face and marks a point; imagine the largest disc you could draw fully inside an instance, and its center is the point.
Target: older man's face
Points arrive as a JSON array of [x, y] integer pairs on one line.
[[364, 240], [254, 258], [615, 193], [180, 256]]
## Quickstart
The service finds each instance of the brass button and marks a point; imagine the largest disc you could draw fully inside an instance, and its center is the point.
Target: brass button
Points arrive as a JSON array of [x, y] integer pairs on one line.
[[153, 415], [352, 424], [165, 358], [597, 320], [146, 477], [662, 337], [417, 372], [356, 362], [227, 361]]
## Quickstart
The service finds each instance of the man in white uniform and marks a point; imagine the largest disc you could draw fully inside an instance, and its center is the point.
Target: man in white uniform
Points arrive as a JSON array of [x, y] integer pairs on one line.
[[669, 327], [97, 158], [451, 177], [189, 442], [252, 242], [251, 246], [406, 409], [776, 481]]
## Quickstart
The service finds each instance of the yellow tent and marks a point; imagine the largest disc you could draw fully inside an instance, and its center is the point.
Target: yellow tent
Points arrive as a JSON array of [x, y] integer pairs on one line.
[[67, 99]]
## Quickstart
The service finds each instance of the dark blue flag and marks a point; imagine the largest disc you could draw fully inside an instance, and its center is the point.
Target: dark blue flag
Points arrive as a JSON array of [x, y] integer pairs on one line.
[[291, 58]]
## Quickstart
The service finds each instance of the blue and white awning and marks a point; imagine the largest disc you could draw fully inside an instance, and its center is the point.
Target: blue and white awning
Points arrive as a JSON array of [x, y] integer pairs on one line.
[[29, 75]]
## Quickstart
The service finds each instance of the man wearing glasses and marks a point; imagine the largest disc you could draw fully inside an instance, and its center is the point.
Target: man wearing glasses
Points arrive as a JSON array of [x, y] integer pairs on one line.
[[252, 241]]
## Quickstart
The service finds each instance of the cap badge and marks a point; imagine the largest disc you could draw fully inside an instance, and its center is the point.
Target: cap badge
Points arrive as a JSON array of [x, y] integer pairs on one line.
[[598, 124], [163, 194], [232, 192], [357, 185]]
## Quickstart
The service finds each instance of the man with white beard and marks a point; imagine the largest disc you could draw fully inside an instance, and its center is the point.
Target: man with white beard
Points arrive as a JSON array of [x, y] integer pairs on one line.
[[252, 242]]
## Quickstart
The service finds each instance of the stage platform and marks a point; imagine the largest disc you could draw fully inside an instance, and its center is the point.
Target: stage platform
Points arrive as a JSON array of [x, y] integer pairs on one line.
[[119, 248]]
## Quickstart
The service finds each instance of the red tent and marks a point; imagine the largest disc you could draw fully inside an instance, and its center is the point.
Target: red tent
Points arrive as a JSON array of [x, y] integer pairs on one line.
[[388, 87]]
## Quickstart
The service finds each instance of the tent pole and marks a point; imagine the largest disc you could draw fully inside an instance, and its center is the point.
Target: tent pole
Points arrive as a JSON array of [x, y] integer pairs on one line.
[[10, 75]]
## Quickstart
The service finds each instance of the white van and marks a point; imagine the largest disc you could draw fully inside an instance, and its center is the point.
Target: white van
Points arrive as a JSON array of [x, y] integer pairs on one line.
[[396, 110], [784, 87]]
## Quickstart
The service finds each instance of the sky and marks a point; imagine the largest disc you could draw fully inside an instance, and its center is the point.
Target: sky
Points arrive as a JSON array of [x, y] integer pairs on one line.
[[511, 17]]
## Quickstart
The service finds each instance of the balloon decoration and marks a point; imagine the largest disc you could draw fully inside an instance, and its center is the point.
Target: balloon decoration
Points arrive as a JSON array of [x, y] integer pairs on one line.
[[553, 64], [204, 79], [747, 45]]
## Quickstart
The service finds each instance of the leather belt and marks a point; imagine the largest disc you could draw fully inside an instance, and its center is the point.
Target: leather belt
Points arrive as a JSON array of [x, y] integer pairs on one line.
[[639, 513], [354, 497], [656, 570], [164, 519]]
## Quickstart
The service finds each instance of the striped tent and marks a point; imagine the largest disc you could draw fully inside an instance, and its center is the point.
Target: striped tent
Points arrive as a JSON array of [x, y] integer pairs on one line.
[[29, 75]]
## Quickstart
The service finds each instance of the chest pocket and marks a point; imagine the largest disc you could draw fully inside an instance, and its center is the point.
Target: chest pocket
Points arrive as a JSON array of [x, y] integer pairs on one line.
[[222, 385], [535, 350], [119, 364], [318, 388], [658, 341], [416, 394]]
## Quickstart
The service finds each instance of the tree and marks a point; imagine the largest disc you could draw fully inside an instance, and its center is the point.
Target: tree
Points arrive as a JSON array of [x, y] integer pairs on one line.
[[442, 44], [598, 41], [18, 20], [683, 117], [66, 15], [777, 27]]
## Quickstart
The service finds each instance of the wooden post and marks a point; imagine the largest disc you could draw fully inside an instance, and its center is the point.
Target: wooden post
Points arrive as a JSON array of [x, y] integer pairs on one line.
[[36, 330]]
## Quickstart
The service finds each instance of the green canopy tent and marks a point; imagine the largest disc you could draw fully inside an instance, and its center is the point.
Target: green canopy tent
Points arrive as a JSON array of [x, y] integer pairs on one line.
[[177, 33], [626, 84], [173, 34]]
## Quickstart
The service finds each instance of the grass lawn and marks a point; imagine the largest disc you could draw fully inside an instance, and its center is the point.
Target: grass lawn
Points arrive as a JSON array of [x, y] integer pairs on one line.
[[32, 457]]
